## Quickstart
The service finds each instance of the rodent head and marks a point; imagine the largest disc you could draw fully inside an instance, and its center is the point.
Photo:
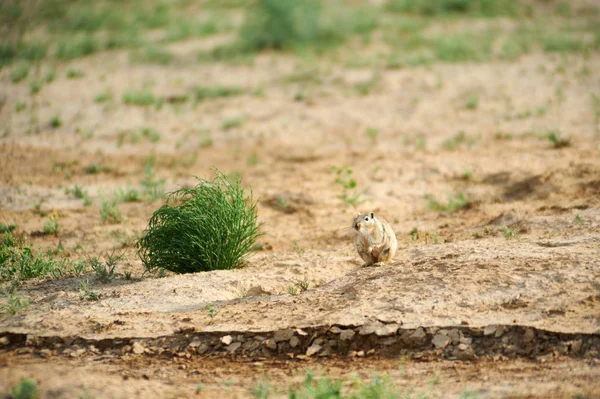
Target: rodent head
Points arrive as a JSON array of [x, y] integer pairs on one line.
[[366, 221]]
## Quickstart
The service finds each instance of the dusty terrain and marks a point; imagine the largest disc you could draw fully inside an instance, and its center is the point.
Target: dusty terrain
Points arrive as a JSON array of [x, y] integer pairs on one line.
[[512, 279]]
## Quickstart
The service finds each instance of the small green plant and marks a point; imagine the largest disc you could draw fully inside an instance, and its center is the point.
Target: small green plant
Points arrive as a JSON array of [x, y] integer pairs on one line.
[[20, 106], [578, 219], [509, 233], [296, 248], [94, 169], [56, 122], [75, 73], [51, 226], [109, 212], [104, 96], [350, 194], [142, 98], [14, 305], [262, 390], [129, 194], [151, 54], [458, 141], [212, 311], [7, 228], [24, 389], [35, 86], [106, 271], [455, 202], [557, 140], [50, 75], [232, 122], [208, 92], [414, 234], [19, 73], [302, 284], [252, 159], [472, 102], [79, 267], [218, 221], [372, 133], [86, 293], [292, 290], [153, 186]]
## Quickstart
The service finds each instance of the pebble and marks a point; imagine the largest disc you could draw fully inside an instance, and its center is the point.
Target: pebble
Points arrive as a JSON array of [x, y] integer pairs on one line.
[[233, 347], [4, 341], [347, 335], [227, 339], [294, 342], [369, 328], [387, 329], [440, 341], [138, 349], [313, 349], [283, 335], [271, 344]]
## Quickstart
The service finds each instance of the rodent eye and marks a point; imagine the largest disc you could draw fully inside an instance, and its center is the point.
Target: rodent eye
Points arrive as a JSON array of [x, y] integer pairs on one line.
[[366, 219]]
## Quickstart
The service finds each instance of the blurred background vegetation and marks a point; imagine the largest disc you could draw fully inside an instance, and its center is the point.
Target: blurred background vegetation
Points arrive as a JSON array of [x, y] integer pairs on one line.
[[408, 32]]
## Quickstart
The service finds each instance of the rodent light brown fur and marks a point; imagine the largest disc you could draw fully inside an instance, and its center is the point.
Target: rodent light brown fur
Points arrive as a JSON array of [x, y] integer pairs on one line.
[[374, 239]]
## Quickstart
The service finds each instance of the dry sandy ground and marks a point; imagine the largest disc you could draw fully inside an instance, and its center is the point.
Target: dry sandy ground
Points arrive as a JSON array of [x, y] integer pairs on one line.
[[459, 270]]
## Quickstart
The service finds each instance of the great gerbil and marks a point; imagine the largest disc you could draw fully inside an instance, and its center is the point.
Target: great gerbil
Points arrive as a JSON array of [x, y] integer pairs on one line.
[[374, 239]]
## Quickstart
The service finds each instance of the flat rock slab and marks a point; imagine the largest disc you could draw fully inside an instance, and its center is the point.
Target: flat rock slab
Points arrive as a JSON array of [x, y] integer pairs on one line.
[[474, 283]]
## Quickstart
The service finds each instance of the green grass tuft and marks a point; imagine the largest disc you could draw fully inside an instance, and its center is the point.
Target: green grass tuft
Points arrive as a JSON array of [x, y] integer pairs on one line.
[[151, 54], [205, 92], [19, 73], [211, 226], [24, 389], [142, 98], [455, 202]]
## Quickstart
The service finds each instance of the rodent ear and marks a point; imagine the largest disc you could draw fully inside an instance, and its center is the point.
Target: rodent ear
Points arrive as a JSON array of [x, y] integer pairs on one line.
[[358, 214], [372, 215]]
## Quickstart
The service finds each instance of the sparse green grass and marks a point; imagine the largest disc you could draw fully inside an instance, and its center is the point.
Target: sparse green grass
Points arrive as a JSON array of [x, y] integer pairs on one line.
[[154, 187], [104, 96], [14, 303], [373, 134], [455, 202], [20, 106], [19, 72], [109, 212], [557, 140], [350, 194], [472, 102], [75, 73], [561, 42], [77, 46], [51, 226], [35, 86], [24, 389], [509, 233], [458, 141], [106, 271], [7, 228], [86, 293], [129, 194], [232, 122], [56, 122], [137, 135], [142, 98], [152, 54], [208, 92], [218, 220], [476, 8], [21, 262]]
